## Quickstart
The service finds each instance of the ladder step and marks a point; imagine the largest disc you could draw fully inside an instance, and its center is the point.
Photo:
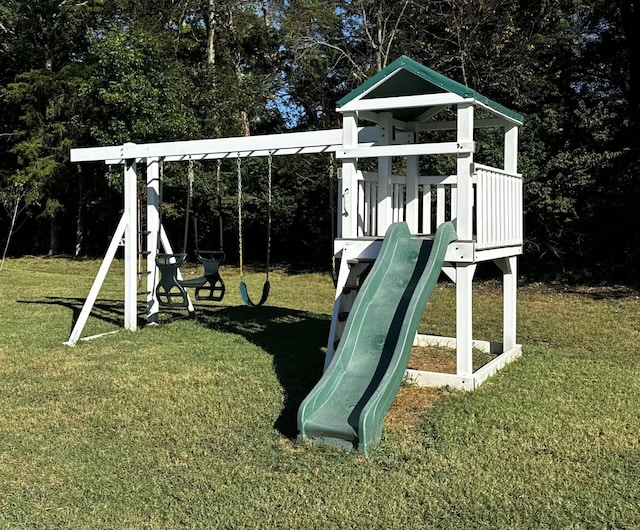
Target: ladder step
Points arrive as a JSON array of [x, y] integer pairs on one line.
[[144, 253], [144, 232], [355, 261], [144, 273], [144, 293], [350, 287]]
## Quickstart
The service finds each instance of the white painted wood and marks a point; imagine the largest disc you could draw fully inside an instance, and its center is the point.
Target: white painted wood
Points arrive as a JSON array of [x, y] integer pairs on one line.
[[343, 274], [441, 204], [328, 141], [448, 180], [215, 147], [364, 204], [489, 369], [438, 380], [131, 247], [98, 281], [461, 252], [441, 148], [450, 125], [464, 319], [99, 335], [91, 154], [510, 292], [449, 271], [454, 202], [403, 102], [502, 117], [427, 208], [384, 175], [464, 221], [499, 210], [486, 346], [496, 253], [350, 177], [412, 196], [469, 383]]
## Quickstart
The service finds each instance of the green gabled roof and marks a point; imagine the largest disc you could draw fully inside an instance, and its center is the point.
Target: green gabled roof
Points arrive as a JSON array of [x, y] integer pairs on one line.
[[406, 77]]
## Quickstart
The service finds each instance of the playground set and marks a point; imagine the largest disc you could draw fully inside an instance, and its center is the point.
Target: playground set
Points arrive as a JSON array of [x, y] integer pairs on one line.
[[397, 231]]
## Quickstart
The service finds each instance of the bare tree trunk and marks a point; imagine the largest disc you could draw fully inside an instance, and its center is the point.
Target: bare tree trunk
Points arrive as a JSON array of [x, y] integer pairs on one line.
[[211, 28], [53, 236], [244, 115], [17, 196], [386, 29]]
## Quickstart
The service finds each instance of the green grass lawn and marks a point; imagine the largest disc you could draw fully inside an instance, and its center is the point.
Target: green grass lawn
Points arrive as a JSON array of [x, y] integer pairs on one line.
[[191, 424]]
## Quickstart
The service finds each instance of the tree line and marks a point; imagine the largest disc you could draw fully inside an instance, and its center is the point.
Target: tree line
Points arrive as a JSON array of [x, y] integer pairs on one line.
[[77, 73]]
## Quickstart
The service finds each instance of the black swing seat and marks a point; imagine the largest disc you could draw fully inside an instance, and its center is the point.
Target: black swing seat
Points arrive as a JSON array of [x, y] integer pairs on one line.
[[171, 291]]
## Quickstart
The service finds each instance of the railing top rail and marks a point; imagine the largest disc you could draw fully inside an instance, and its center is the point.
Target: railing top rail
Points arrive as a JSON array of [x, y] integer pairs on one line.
[[495, 170]]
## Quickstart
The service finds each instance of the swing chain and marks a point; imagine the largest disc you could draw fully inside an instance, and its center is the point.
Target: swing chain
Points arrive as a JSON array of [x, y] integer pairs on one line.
[[219, 192], [190, 179], [239, 165], [269, 185]]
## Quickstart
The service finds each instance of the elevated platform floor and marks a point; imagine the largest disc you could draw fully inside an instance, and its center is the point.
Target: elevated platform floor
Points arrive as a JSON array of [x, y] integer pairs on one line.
[[457, 252]]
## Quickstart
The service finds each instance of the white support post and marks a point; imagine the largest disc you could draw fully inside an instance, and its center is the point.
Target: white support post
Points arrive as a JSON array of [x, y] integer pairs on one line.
[[349, 197], [464, 319], [413, 200], [510, 265], [509, 308], [511, 149], [464, 220], [343, 275], [130, 247], [153, 231], [384, 174]]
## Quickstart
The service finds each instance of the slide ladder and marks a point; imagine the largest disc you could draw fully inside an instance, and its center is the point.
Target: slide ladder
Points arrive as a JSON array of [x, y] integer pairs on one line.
[[348, 405]]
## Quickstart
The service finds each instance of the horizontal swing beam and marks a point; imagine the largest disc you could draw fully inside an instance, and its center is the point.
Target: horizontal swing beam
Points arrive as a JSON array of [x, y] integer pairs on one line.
[[327, 141], [212, 148], [243, 146]]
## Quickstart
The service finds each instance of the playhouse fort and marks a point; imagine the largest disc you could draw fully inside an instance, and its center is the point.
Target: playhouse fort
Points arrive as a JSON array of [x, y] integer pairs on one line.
[[391, 124]]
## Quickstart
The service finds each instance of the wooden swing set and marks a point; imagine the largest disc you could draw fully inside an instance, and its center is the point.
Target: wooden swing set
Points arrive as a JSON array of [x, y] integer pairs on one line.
[[399, 118]]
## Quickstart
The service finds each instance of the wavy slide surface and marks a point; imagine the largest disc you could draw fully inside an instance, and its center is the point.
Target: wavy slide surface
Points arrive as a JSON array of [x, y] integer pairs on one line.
[[348, 405]]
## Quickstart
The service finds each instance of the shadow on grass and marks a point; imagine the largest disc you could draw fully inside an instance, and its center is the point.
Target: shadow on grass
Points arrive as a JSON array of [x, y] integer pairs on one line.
[[295, 339], [110, 311], [107, 310]]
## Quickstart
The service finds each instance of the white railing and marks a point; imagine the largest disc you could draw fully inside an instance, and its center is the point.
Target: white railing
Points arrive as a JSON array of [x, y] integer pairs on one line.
[[438, 202], [499, 217], [497, 203]]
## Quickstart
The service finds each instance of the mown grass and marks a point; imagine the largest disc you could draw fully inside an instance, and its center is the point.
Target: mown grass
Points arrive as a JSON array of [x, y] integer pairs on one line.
[[191, 424]]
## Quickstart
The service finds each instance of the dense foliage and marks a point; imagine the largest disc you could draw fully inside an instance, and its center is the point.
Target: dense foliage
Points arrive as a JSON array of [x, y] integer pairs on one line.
[[99, 72]]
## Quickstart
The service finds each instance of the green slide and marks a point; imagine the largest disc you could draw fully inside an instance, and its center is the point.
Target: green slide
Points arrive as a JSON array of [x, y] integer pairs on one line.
[[348, 405]]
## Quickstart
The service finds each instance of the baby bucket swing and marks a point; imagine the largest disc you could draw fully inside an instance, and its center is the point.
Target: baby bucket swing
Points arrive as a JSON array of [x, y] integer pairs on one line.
[[171, 290], [244, 293]]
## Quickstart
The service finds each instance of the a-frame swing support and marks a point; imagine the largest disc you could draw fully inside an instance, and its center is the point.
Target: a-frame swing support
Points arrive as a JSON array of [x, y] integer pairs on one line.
[[152, 155], [126, 234]]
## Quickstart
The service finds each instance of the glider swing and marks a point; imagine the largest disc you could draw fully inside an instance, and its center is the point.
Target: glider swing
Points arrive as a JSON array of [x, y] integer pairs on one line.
[[171, 290], [244, 293]]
